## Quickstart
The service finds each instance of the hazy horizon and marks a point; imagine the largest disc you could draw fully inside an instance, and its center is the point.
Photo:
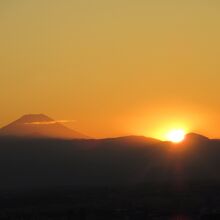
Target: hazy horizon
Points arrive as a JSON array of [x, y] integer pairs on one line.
[[42, 125]]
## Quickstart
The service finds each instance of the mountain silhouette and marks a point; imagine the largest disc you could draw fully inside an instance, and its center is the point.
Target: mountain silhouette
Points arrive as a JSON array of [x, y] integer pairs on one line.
[[194, 137], [39, 126], [118, 161]]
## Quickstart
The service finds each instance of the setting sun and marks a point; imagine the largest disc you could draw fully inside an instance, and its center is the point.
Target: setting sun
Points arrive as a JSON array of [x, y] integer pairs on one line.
[[176, 135]]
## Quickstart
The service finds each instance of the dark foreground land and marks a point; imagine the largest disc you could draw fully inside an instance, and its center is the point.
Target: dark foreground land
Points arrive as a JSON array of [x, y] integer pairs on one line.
[[198, 202], [123, 178]]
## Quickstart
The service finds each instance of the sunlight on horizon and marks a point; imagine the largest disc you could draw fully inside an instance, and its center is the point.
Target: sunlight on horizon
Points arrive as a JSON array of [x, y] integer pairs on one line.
[[176, 135]]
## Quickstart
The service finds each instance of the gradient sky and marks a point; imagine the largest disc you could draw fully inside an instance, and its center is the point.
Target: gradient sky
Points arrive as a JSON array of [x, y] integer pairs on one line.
[[115, 67]]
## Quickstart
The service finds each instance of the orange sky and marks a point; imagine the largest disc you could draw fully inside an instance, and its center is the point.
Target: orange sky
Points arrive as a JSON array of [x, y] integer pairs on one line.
[[114, 67]]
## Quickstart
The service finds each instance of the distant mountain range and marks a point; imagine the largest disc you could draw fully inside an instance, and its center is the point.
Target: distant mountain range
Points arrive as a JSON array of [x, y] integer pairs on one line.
[[30, 162], [39, 125]]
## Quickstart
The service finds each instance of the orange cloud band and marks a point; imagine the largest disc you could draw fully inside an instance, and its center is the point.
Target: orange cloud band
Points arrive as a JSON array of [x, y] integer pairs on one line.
[[49, 122]]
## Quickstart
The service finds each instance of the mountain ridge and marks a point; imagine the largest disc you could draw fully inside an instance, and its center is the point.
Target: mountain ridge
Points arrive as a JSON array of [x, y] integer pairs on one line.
[[39, 125], [43, 126], [106, 162]]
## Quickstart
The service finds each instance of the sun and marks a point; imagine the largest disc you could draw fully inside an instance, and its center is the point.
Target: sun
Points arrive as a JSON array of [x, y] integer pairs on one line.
[[176, 135]]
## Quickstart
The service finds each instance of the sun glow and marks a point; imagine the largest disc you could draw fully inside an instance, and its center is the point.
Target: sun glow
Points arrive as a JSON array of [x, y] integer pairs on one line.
[[176, 135]]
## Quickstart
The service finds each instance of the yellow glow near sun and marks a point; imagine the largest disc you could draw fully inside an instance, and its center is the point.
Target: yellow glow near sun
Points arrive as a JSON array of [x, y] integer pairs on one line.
[[176, 135]]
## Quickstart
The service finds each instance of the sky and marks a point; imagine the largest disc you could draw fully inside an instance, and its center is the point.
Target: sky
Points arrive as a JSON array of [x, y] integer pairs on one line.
[[113, 67]]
